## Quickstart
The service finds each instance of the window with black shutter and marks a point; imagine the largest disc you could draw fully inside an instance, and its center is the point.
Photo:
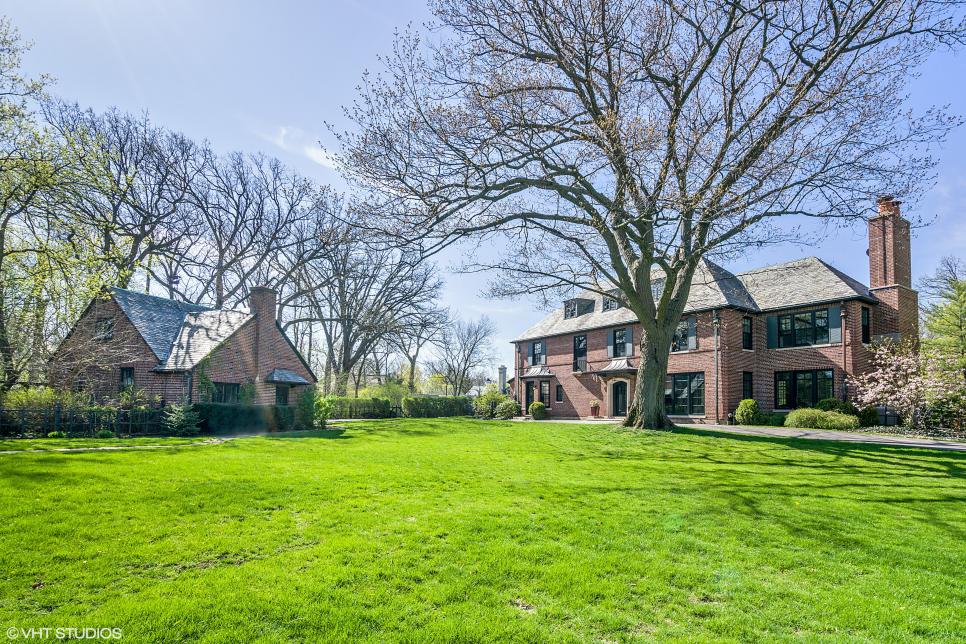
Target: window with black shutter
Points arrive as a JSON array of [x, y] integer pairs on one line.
[[620, 343]]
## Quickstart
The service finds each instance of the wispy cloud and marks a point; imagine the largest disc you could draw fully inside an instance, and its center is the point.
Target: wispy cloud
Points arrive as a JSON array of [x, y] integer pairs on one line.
[[297, 141]]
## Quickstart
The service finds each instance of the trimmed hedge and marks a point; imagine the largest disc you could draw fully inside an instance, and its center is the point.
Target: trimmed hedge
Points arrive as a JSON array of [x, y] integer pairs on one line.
[[817, 419], [220, 418], [436, 406], [344, 407], [748, 412], [507, 409]]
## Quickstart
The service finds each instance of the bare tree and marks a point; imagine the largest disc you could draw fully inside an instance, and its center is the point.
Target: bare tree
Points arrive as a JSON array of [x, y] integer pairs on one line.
[[424, 326], [621, 142], [463, 352]]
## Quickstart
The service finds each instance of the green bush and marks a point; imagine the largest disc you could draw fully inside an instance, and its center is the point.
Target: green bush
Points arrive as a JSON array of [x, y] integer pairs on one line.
[[343, 407], [507, 410], [45, 398], [180, 420], [392, 390], [537, 410], [436, 406], [484, 405], [305, 409], [774, 419], [56, 435], [222, 418], [808, 418], [868, 417], [104, 433], [323, 410], [834, 404], [748, 412]]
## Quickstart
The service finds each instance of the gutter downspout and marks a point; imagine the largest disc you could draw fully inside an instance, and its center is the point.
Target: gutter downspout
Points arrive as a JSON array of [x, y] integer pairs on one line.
[[715, 323]]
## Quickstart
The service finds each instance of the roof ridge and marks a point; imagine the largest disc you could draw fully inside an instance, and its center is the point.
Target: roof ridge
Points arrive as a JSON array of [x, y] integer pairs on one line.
[[199, 307], [777, 264]]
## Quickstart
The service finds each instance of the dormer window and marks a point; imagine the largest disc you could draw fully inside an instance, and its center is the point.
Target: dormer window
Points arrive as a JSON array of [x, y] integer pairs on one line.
[[610, 304], [577, 307]]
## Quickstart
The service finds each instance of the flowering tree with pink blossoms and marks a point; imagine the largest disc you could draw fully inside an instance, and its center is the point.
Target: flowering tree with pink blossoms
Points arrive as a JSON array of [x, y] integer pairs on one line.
[[908, 379]]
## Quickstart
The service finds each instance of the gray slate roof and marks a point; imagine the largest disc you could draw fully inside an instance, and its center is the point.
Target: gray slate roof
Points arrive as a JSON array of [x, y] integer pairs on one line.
[[791, 284], [157, 319], [200, 333], [285, 376], [180, 334]]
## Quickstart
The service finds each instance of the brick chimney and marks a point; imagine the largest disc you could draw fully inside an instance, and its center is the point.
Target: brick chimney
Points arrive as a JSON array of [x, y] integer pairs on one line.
[[890, 272], [263, 304]]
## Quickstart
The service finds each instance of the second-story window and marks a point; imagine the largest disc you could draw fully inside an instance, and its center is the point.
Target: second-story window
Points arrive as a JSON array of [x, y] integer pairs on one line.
[[127, 378], [866, 326], [747, 339], [620, 343], [538, 352], [808, 328], [685, 335], [610, 304], [580, 353]]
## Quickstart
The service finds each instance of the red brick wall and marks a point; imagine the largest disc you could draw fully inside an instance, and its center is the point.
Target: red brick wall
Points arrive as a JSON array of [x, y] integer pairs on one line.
[[95, 365], [850, 356], [245, 358]]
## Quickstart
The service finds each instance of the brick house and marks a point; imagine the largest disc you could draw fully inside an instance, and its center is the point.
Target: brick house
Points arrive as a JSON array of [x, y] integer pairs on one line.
[[181, 352], [786, 335]]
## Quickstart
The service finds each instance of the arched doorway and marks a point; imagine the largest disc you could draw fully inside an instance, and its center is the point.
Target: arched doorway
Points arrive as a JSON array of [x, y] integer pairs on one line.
[[619, 398]]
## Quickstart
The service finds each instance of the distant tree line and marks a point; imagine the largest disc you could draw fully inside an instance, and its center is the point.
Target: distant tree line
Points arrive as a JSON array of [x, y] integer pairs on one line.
[[90, 200]]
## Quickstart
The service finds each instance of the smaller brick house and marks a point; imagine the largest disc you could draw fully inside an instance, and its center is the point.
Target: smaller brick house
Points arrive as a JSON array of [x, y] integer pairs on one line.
[[181, 352]]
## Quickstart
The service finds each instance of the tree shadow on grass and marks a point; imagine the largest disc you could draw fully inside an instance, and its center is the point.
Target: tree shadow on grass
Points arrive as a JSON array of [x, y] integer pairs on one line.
[[877, 455], [334, 433]]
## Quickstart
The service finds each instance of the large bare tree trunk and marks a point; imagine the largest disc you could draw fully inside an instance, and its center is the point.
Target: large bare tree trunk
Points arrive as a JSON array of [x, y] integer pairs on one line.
[[647, 408]]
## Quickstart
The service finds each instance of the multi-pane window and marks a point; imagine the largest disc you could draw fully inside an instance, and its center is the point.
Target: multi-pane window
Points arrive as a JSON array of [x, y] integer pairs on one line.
[[802, 388], [684, 394], [866, 326], [545, 392], [225, 392], [620, 343], [104, 329], [580, 353], [570, 309], [610, 304], [127, 378], [559, 397], [803, 329], [747, 339], [679, 341], [538, 353], [747, 385]]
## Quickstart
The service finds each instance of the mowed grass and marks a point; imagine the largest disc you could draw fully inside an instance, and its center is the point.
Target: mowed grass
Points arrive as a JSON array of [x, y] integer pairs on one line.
[[445, 530]]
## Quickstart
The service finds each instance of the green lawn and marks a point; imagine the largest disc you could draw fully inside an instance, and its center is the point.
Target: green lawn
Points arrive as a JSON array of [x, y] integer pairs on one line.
[[463, 530]]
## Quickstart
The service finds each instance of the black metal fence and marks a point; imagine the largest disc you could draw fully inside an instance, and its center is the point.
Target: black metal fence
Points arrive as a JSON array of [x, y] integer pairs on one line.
[[80, 422]]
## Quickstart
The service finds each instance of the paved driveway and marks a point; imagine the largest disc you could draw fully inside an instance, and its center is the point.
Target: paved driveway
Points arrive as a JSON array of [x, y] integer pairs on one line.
[[823, 435]]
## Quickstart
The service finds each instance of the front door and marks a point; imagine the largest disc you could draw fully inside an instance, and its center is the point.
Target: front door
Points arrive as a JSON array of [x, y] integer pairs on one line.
[[529, 396], [619, 393]]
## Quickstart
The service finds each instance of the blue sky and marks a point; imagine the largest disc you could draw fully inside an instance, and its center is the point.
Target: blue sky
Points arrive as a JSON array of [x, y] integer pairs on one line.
[[264, 76]]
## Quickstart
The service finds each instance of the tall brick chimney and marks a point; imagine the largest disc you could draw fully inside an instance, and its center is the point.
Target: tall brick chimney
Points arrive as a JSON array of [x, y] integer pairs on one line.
[[890, 272], [263, 304]]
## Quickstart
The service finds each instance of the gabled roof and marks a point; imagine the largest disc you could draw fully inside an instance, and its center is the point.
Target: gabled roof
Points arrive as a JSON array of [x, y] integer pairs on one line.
[[200, 334], [157, 319], [180, 334], [798, 283]]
